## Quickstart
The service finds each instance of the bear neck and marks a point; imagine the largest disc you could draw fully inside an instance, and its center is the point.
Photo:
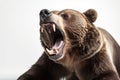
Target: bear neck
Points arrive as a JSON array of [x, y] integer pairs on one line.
[[93, 43]]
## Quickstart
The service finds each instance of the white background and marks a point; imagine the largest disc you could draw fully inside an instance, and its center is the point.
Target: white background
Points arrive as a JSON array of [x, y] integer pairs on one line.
[[19, 29]]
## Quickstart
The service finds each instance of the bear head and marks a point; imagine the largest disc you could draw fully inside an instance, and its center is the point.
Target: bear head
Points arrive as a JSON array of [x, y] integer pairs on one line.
[[69, 32]]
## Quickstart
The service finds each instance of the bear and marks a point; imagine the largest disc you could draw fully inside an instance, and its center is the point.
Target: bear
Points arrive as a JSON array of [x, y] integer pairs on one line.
[[74, 48]]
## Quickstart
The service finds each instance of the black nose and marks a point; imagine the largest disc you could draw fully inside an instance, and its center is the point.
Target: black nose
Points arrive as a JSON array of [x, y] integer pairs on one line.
[[44, 14]]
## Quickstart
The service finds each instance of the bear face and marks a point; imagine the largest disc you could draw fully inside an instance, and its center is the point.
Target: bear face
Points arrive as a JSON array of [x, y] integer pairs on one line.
[[63, 31]]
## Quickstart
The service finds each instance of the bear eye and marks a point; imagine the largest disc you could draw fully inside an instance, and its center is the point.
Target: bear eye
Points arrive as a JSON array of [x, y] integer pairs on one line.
[[65, 16]]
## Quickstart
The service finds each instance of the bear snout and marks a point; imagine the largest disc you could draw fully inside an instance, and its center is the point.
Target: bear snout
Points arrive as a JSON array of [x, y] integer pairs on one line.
[[44, 14]]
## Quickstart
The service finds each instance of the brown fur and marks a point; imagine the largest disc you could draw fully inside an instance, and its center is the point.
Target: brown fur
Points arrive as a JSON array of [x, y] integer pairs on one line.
[[84, 55]]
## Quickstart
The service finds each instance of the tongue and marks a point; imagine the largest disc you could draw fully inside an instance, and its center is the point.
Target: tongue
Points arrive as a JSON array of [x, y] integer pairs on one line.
[[55, 49], [57, 45]]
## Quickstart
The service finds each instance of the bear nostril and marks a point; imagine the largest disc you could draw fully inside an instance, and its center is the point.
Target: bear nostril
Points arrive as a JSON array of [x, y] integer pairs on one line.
[[44, 14]]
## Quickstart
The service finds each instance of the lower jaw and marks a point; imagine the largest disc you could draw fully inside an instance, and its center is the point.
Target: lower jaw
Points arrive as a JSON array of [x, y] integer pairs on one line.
[[56, 52], [57, 57]]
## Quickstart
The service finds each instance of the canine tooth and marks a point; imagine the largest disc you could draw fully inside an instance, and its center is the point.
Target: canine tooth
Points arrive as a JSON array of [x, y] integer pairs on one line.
[[42, 29], [49, 51], [53, 26]]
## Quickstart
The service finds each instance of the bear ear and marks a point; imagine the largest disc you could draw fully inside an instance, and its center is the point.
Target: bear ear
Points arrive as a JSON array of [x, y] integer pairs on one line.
[[91, 14]]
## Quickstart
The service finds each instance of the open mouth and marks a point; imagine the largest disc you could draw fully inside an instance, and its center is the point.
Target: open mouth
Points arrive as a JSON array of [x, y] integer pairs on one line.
[[56, 38]]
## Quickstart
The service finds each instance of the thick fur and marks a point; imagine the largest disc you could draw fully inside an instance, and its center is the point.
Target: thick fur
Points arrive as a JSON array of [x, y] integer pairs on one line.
[[90, 53]]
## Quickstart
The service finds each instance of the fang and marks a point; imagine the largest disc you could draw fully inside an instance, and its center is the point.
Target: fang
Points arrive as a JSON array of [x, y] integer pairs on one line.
[[53, 26], [41, 29]]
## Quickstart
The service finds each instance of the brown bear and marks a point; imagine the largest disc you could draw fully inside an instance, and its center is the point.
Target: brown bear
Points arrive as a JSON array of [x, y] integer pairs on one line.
[[75, 49]]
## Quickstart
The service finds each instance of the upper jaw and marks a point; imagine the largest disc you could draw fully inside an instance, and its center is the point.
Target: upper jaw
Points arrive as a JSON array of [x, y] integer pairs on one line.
[[56, 39]]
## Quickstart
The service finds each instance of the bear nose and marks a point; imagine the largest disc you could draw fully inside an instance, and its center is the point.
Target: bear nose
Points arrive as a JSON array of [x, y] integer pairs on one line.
[[44, 14]]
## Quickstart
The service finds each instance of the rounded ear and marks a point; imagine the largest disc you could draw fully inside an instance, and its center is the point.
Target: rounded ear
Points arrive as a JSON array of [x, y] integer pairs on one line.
[[91, 15]]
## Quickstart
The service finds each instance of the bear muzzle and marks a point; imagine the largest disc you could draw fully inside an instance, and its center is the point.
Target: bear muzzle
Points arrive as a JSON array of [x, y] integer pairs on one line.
[[53, 37], [44, 14]]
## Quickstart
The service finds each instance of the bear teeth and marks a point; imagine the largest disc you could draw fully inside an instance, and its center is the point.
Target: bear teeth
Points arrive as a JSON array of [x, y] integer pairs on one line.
[[41, 29], [49, 24], [53, 26], [55, 51], [52, 52]]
